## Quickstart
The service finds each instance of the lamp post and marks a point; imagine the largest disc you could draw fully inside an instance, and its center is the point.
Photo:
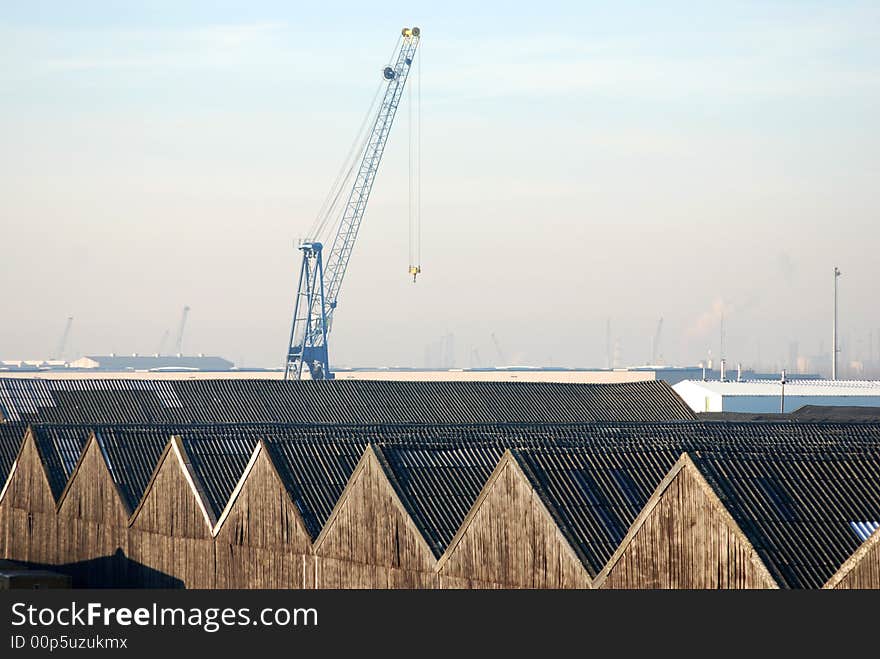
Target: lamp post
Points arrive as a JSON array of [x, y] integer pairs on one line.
[[782, 398], [834, 348]]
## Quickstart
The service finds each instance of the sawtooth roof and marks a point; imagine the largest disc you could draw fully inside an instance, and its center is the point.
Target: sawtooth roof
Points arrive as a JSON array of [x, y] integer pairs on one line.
[[333, 402]]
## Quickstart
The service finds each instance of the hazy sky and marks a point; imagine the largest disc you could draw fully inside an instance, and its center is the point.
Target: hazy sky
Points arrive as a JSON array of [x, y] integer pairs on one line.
[[580, 161]]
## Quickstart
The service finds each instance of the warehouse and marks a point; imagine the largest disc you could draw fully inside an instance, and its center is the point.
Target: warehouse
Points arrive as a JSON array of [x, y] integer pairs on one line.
[[757, 520], [287, 505], [135, 362], [335, 402], [769, 396]]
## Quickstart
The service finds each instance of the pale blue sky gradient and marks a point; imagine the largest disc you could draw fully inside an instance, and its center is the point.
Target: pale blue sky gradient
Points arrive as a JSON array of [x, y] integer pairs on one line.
[[580, 161]]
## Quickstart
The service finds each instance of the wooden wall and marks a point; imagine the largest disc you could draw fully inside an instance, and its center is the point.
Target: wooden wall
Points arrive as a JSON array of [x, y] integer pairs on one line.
[[169, 539], [29, 523], [862, 570], [370, 541], [262, 541], [509, 540], [92, 524], [685, 539]]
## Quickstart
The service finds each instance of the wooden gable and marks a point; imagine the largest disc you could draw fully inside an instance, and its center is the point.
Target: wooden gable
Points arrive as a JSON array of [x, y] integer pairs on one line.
[[261, 540], [27, 508], [370, 539], [509, 539], [685, 538], [171, 530]]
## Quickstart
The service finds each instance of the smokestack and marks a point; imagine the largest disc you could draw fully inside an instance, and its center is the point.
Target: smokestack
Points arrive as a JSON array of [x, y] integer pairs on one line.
[[704, 372], [723, 364], [739, 372]]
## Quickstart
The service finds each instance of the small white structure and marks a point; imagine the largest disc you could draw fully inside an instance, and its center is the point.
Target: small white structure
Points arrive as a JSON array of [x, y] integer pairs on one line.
[[765, 396]]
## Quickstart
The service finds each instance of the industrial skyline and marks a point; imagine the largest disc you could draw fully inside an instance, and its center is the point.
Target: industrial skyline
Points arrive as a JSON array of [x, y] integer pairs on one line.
[[580, 164]]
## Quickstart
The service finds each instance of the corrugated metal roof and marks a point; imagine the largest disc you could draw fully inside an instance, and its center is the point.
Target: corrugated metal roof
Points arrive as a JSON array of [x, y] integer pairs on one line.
[[349, 401], [59, 447], [132, 454], [595, 494], [11, 435], [797, 509], [864, 529], [315, 473], [815, 479], [440, 483]]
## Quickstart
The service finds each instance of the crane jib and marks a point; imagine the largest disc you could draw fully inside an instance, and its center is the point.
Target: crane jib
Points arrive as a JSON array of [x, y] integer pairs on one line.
[[320, 280]]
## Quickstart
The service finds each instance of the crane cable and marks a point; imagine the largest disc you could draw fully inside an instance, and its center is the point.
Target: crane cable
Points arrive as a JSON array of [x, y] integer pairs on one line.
[[329, 208], [415, 177]]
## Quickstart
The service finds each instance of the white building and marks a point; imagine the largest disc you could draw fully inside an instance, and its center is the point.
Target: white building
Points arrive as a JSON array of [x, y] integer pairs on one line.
[[765, 396]]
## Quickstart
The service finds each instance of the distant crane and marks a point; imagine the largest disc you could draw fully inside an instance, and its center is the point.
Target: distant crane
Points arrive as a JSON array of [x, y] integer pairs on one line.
[[501, 358], [178, 342], [608, 361], [655, 343], [319, 283], [62, 342], [164, 342]]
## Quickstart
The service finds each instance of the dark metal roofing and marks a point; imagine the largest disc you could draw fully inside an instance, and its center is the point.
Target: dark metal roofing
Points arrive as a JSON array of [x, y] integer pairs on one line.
[[595, 478], [59, 447], [11, 435], [132, 454], [797, 509], [440, 484], [315, 474], [595, 494], [334, 402]]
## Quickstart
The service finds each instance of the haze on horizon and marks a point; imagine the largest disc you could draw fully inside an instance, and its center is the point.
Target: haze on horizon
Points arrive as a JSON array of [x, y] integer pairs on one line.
[[580, 162]]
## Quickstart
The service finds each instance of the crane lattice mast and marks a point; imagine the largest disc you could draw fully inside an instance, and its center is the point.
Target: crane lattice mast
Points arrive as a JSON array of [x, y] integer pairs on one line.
[[320, 281], [62, 343], [178, 342]]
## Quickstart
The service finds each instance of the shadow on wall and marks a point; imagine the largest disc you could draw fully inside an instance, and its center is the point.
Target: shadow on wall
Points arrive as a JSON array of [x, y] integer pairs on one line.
[[114, 571]]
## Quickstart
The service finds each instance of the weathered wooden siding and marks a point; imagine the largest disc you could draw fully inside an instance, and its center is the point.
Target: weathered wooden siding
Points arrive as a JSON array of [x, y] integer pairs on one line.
[[370, 541], [29, 521], [863, 569], [686, 540], [263, 542], [92, 525], [169, 539], [510, 541]]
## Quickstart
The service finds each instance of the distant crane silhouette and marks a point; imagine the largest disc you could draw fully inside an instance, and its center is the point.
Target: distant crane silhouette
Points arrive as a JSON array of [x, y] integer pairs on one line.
[[164, 342], [502, 359], [655, 343], [62, 342], [178, 342]]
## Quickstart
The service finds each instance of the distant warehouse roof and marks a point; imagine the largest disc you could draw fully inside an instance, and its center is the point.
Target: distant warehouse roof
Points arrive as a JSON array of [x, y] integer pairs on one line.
[[152, 363], [762, 396], [277, 401]]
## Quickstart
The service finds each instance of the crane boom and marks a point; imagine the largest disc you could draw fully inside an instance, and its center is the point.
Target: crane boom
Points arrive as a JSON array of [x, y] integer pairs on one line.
[[499, 350], [178, 341], [320, 282], [62, 342], [655, 344]]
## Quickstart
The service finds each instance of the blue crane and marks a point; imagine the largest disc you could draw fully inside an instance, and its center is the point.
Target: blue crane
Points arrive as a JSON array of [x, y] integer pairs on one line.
[[319, 281]]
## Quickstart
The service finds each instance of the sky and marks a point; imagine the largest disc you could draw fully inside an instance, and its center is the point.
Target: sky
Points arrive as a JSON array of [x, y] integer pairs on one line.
[[581, 162]]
